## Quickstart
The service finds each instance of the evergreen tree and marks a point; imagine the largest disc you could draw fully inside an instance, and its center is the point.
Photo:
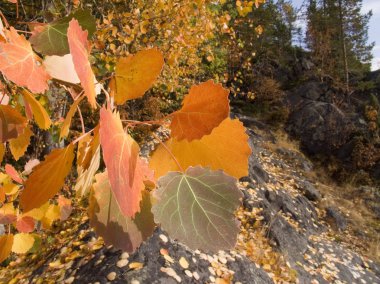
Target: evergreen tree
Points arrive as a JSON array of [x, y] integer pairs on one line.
[[337, 35]]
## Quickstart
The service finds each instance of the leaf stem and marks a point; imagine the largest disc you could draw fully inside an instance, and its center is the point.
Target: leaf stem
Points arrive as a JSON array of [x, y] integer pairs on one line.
[[83, 135], [170, 152]]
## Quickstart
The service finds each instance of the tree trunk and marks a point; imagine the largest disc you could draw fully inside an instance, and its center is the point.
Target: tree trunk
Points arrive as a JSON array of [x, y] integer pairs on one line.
[[343, 46]]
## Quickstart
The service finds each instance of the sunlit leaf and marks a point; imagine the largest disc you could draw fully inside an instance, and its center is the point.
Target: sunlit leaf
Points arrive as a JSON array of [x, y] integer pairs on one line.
[[66, 123], [42, 184], [40, 115], [19, 145], [6, 243], [22, 243], [225, 148], [7, 214], [136, 74], [25, 224], [126, 171], [197, 208], [12, 172], [20, 64], [61, 68], [79, 49], [204, 108]]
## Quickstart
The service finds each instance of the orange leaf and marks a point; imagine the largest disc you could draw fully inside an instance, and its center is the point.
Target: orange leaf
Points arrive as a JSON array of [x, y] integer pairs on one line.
[[11, 171], [79, 49], [204, 108], [66, 123], [126, 170], [20, 64], [25, 224], [19, 145], [225, 148], [12, 123], [42, 184], [6, 243], [40, 115], [136, 74]]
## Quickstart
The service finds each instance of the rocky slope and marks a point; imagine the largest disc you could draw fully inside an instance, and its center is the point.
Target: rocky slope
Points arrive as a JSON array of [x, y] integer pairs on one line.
[[288, 235]]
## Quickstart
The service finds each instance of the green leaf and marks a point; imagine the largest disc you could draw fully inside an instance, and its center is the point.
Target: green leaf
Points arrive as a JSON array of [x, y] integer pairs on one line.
[[197, 208], [105, 216], [52, 38]]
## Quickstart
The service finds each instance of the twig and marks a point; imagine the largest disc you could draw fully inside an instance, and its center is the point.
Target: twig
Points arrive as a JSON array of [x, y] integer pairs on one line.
[[170, 152], [83, 135], [81, 120]]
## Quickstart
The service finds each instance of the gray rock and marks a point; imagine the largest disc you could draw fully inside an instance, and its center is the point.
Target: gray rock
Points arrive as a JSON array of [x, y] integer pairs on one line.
[[337, 217], [311, 192]]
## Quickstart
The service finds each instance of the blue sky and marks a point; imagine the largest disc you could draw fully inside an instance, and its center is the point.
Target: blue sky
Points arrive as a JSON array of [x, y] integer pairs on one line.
[[374, 27]]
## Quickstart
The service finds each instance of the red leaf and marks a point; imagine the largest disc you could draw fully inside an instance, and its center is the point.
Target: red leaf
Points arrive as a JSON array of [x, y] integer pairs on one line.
[[25, 224], [79, 49], [20, 64], [11, 171], [126, 170]]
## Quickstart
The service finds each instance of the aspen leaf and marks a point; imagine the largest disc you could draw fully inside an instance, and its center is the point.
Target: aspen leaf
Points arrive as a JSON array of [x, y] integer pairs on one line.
[[87, 147], [79, 49], [61, 68], [29, 166], [11, 188], [85, 179], [66, 123], [2, 194], [109, 222], [38, 213], [51, 39], [40, 115], [25, 224], [42, 184], [7, 214], [52, 214], [197, 208], [12, 123], [20, 64], [204, 108], [22, 243], [225, 148], [65, 207], [12, 172], [6, 243], [126, 171], [19, 145], [136, 74]]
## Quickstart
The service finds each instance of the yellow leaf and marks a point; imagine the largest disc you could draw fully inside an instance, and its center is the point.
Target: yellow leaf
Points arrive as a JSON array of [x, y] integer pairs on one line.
[[6, 242], [225, 148], [19, 145], [53, 213], [136, 74], [66, 124], [22, 243], [11, 188], [38, 213], [40, 115], [42, 184]]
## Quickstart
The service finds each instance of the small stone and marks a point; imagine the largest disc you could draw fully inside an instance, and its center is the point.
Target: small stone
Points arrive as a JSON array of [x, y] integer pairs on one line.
[[196, 275], [124, 255], [183, 262], [111, 276], [164, 238], [122, 262], [70, 280]]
